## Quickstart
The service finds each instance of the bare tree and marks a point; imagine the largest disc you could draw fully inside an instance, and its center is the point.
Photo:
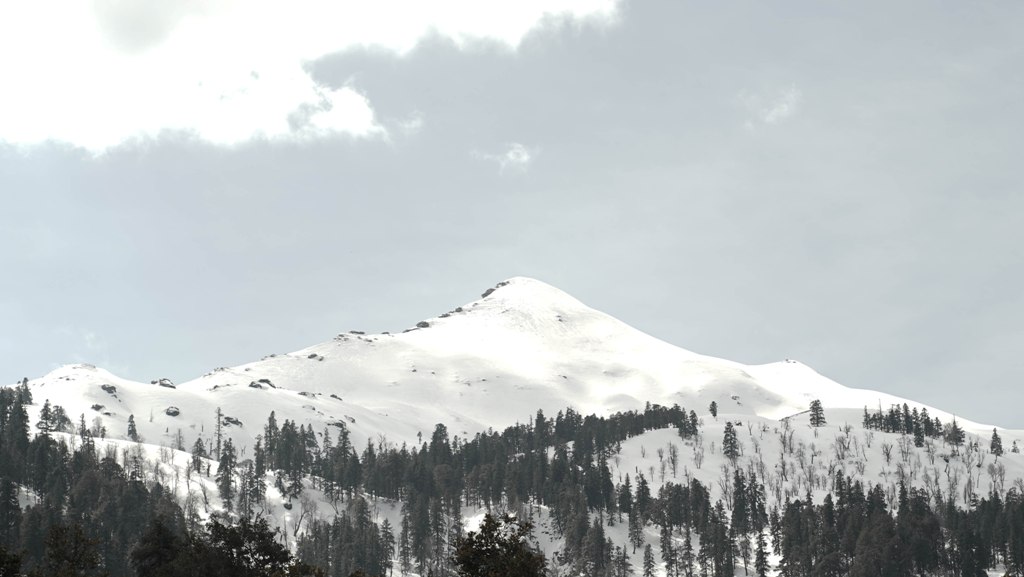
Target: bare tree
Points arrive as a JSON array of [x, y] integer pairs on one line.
[[725, 485], [906, 445], [309, 508], [673, 458], [841, 447]]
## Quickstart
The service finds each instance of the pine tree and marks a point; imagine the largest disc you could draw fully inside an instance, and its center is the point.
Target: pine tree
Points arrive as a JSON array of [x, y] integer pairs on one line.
[[245, 491], [45, 423], [621, 563], [625, 498], [756, 504], [996, 446], [133, 433], [817, 414], [70, 552], [740, 506], [10, 563], [270, 438], [926, 423], [642, 503], [198, 454], [705, 556], [157, 550], [687, 558], [730, 444], [713, 409], [955, 434], [405, 546], [218, 434], [648, 566], [500, 547], [226, 473], [740, 524], [10, 512], [387, 542], [761, 565], [636, 530], [596, 557], [15, 441], [668, 555]]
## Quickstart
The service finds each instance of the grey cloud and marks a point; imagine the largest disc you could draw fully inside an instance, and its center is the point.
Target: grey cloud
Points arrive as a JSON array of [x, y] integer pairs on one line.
[[874, 234], [137, 25]]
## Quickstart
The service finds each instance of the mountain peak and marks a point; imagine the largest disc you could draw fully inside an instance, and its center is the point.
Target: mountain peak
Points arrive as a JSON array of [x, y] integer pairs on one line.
[[526, 293]]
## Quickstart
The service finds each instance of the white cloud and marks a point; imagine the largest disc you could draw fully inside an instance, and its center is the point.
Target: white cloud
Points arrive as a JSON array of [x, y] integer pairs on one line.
[[515, 158], [411, 125], [95, 74], [784, 106], [82, 346], [773, 109]]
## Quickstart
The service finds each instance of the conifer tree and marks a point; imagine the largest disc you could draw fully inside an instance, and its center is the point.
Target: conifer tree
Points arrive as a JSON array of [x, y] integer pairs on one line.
[[387, 542], [226, 473], [642, 503], [198, 454], [996, 446], [636, 530], [730, 444], [500, 547], [625, 497], [45, 424], [687, 558], [10, 563], [246, 491], [70, 552], [817, 414], [926, 423], [713, 409], [705, 557], [740, 524], [761, 556], [668, 555], [955, 434], [10, 512], [648, 561], [218, 434], [133, 433], [405, 542], [157, 550]]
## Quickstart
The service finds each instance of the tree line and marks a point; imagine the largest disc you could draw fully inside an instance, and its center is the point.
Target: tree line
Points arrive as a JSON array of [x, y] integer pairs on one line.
[[100, 511]]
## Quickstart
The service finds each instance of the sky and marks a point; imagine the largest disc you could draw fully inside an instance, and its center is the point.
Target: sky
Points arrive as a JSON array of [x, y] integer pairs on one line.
[[198, 184]]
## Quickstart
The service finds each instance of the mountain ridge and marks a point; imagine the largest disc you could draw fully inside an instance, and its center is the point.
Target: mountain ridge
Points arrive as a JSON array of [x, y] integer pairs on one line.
[[523, 346]]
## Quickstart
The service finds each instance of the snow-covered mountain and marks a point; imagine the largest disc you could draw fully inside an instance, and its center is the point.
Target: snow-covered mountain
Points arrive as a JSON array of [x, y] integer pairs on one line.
[[523, 346], [526, 346]]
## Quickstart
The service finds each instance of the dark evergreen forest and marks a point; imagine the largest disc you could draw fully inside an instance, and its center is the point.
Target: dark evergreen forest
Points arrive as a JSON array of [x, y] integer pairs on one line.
[[70, 507]]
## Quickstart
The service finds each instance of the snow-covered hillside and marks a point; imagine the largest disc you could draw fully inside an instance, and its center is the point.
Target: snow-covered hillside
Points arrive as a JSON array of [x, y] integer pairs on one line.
[[488, 364], [526, 346]]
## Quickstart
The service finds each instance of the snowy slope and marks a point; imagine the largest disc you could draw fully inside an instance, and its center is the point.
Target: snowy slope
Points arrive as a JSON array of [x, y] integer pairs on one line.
[[488, 364], [493, 362]]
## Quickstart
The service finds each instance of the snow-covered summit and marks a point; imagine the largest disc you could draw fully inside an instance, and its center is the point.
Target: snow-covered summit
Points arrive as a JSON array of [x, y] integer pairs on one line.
[[523, 346]]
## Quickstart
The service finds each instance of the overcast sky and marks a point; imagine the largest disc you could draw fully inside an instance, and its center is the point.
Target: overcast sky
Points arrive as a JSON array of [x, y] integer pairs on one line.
[[198, 186]]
